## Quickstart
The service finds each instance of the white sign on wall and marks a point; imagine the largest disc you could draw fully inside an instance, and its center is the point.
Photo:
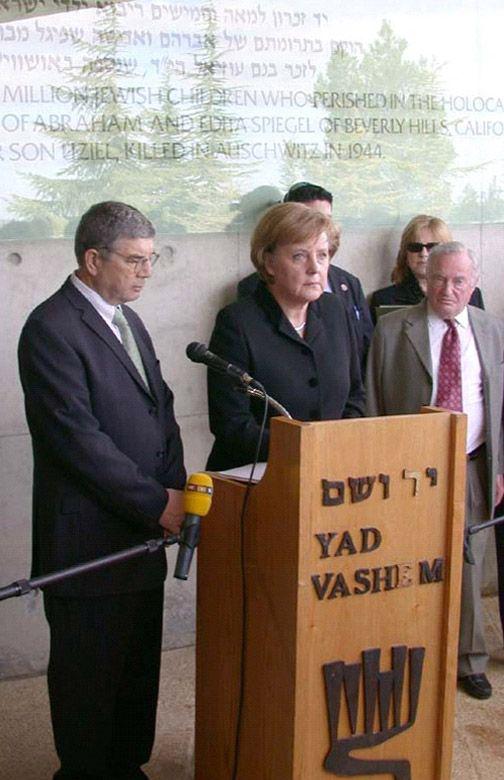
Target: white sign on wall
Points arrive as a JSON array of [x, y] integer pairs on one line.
[[196, 111]]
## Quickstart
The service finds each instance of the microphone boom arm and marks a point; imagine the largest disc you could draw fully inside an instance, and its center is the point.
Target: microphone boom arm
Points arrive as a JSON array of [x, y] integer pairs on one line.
[[22, 587], [473, 529], [256, 393]]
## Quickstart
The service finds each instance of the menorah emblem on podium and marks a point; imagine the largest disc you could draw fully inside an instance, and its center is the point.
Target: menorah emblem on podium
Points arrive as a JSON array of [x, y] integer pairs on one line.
[[383, 696]]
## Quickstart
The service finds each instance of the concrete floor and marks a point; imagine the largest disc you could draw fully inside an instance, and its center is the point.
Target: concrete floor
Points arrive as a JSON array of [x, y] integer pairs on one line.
[[26, 749]]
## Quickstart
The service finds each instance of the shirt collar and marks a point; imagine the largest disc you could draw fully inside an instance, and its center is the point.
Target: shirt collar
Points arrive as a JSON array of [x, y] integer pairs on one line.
[[107, 310], [462, 318]]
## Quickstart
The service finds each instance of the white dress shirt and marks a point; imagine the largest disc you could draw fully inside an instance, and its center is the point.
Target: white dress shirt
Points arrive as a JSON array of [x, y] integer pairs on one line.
[[105, 310]]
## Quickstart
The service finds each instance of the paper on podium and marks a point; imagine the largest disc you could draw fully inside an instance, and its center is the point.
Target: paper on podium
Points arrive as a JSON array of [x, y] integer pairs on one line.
[[242, 473]]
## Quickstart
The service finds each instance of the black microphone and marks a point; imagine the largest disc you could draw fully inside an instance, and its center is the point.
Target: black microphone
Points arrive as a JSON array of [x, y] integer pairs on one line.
[[199, 353], [197, 500]]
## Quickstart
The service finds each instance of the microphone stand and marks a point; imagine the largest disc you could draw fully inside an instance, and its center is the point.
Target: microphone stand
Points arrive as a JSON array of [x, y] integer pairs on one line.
[[22, 587], [473, 529], [257, 393], [244, 382]]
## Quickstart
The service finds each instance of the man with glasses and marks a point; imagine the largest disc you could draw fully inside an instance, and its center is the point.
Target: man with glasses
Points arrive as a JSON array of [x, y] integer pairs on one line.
[[449, 354], [108, 474], [339, 281]]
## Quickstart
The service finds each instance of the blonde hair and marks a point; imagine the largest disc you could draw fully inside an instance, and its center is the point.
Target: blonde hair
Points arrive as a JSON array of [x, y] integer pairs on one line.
[[439, 230], [289, 223]]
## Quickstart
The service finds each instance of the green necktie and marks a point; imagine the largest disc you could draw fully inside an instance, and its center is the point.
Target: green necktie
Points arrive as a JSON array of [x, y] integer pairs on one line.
[[129, 343]]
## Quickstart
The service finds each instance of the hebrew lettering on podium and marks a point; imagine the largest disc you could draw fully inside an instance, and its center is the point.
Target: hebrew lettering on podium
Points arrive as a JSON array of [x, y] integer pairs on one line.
[[383, 709]]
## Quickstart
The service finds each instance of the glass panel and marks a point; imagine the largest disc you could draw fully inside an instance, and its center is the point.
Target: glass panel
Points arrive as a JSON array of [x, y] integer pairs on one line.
[[203, 113]]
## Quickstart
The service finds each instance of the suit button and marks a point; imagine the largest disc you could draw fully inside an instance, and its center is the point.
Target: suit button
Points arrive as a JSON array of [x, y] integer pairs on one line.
[[313, 382], [160, 453]]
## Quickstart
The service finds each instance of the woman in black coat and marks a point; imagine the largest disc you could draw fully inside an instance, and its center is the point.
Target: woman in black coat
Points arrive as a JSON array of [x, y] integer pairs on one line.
[[289, 335], [419, 236]]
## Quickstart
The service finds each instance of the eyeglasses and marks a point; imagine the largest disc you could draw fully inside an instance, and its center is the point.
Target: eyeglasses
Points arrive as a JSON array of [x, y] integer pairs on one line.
[[135, 262], [417, 246], [458, 283]]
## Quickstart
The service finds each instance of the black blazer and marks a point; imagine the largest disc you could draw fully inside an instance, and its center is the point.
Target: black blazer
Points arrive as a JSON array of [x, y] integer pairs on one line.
[[105, 447], [315, 378], [409, 293], [349, 287]]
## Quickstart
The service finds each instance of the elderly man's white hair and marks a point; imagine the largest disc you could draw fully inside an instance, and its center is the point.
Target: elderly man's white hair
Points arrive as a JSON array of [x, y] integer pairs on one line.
[[453, 248]]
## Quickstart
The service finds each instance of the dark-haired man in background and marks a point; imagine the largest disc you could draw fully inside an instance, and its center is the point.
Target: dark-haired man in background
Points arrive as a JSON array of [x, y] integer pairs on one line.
[[339, 281], [108, 474]]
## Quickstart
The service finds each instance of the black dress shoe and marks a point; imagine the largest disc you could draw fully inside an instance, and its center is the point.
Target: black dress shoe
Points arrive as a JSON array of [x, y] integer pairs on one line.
[[126, 773], [476, 685]]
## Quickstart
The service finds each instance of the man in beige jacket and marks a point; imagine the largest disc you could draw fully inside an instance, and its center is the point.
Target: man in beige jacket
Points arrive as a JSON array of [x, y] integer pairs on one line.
[[403, 374]]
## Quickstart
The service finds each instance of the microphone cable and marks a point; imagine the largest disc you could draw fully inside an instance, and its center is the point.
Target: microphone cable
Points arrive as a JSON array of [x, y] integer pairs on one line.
[[244, 610]]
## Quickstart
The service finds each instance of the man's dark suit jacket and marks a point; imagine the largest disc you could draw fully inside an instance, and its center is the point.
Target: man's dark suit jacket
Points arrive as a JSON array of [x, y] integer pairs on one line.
[[105, 447], [315, 378], [349, 287]]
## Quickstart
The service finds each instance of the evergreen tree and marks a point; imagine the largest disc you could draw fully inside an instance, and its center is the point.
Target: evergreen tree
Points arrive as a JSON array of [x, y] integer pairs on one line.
[[209, 144], [181, 167], [403, 169], [103, 124], [475, 206], [162, 176]]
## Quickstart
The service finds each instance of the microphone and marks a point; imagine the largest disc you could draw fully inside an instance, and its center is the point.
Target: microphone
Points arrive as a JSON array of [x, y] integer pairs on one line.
[[199, 353], [197, 501]]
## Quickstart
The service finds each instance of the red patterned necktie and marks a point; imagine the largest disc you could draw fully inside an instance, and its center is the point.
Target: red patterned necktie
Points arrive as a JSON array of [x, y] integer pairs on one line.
[[449, 392]]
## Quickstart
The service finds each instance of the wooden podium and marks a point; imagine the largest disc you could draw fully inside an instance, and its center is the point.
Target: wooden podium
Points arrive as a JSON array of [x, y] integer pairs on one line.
[[344, 583]]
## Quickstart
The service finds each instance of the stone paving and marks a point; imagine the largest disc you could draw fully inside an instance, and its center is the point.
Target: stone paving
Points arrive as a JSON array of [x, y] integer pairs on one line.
[[26, 750]]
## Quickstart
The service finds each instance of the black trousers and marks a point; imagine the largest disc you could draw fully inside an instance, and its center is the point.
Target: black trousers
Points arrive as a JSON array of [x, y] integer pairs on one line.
[[499, 547], [103, 679]]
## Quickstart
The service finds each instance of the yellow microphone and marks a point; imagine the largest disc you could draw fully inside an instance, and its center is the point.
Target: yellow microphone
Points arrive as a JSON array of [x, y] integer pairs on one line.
[[197, 502]]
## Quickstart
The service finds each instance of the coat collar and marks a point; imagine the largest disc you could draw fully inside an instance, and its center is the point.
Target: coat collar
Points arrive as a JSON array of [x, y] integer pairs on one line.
[[412, 287], [416, 330], [95, 322], [274, 312]]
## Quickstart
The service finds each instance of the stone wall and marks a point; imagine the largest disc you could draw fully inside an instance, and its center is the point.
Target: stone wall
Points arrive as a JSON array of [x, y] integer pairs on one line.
[[197, 274]]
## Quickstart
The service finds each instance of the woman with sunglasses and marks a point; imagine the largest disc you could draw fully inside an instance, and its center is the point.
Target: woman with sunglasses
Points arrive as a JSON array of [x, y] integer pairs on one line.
[[420, 235]]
